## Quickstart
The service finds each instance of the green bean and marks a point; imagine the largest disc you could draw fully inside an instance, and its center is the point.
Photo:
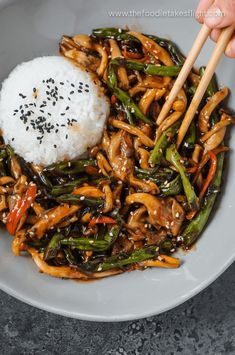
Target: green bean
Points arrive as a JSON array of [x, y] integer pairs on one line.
[[156, 175], [120, 260], [166, 246], [69, 256], [3, 153], [44, 180], [162, 143], [150, 69], [91, 244], [113, 33], [171, 47], [192, 90], [197, 224], [172, 188], [175, 159], [212, 87], [81, 200], [190, 138], [70, 167], [10, 151], [53, 246], [68, 187], [125, 98]]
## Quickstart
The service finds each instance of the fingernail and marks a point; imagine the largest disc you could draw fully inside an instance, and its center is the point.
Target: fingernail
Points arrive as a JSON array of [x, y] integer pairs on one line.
[[214, 17]]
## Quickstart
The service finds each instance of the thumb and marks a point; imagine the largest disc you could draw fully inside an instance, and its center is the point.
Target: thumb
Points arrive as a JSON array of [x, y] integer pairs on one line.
[[220, 14]]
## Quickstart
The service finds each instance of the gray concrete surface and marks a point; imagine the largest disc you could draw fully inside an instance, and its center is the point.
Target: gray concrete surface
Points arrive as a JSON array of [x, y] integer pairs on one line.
[[204, 325]]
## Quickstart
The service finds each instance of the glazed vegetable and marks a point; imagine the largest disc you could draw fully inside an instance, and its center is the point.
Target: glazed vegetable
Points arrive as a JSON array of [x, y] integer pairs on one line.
[[174, 158], [150, 69], [136, 256], [172, 188], [162, 143], [91, 244], [53, 246], [125, 98], [70, 167], [68, 187], [172, 48], [113, 33], [195, 227], [20, 208], [81, 200]]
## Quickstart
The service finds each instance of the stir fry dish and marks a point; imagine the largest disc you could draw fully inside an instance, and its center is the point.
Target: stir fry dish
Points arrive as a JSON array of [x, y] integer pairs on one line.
[[92, 184]]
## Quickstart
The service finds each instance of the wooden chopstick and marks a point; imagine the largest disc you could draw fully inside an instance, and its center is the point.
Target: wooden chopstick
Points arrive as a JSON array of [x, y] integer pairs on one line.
[[189, 62], [201, 89]]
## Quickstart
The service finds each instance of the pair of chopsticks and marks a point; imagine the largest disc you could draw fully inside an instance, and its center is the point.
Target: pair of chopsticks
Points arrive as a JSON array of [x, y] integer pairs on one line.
[[202, 36]]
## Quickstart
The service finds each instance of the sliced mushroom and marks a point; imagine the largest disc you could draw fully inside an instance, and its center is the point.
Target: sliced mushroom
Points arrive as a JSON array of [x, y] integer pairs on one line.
[[167, 213]]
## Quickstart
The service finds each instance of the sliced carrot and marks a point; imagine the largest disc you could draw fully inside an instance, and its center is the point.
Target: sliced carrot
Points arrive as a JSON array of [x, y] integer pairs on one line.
[[210, 175], [20, 208], [101, 220], [113, 99]]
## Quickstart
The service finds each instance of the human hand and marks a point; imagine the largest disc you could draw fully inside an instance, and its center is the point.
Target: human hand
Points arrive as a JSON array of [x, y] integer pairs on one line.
[[217, 15]]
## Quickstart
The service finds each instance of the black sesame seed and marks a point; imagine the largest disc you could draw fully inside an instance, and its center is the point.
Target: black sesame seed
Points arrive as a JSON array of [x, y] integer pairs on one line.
[[87, 85], [56, 131], [73, 86], [61, 97], [62, 114], [55, 145], [80, 91], [34, 89], [61, 83], [15, 110], [67, 108], [12, 139], [66, 137], [71, 92], [27, 128], [86, 90], [53, 103]]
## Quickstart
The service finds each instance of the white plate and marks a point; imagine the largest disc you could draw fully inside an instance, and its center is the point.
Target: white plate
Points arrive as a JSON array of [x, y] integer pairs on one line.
[[33, 28]]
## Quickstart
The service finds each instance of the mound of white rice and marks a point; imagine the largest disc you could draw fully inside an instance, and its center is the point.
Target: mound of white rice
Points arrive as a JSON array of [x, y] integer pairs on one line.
[[51, 110]]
